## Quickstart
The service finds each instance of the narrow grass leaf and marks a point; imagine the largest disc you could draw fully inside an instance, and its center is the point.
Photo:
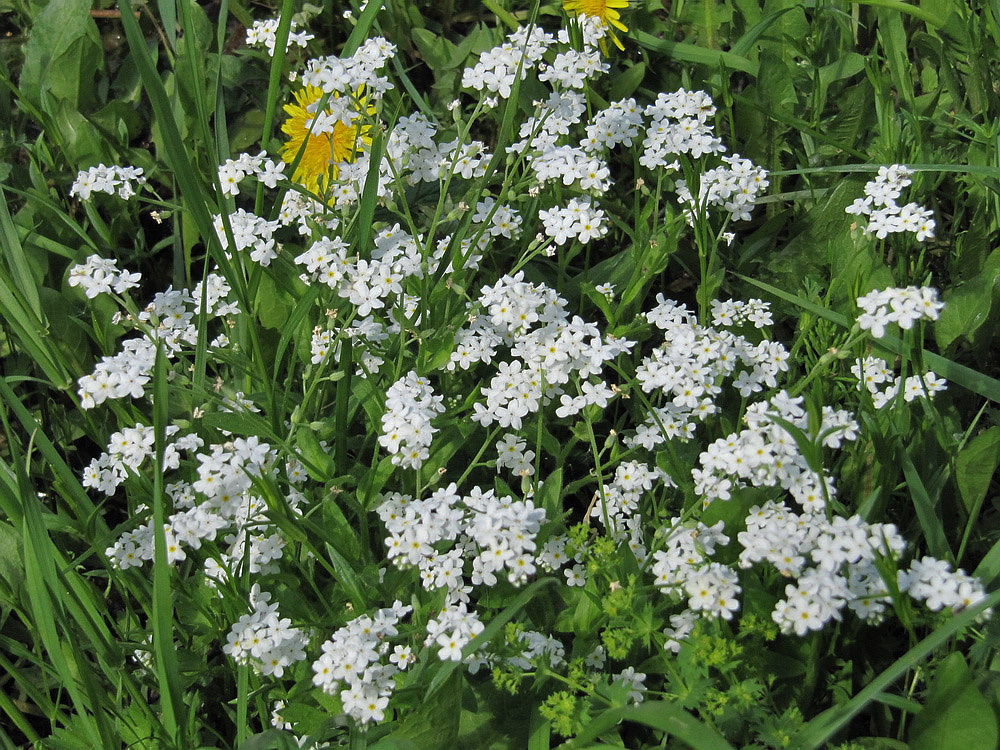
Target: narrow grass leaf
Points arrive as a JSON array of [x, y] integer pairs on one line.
[[660, 715], [930, 523], [693, 53], [820, 729], [974, 380], [167, 670]]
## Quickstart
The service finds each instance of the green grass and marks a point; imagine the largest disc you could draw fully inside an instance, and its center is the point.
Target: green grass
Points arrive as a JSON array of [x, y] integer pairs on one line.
[[820, 95]]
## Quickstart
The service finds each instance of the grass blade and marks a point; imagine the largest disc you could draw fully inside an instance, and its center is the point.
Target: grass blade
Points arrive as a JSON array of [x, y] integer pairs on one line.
[[820, 729]]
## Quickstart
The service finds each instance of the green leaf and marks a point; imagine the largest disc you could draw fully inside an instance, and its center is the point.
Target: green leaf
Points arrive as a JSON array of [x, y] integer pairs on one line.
[[272, 739], [550, 494], [11, 564], [435, 724], [926, 508], [62, 54], [956, 716], [437, 51], [435, 351], [317, 460], [774, 84], [239, 423], [661, 715], [692, 53], [967, 306], [625, 84], [821, 728], [975, 466], [273, 307], [849, 65]]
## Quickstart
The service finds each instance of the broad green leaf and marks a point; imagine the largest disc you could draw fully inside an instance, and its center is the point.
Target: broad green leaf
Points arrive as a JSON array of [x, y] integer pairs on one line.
[[62, 53], [955, 716], [436, 51], [975, 466], [849, 65], [273, 307], [967, 306], [625, 84], [435, 723], [774, 84], [239, 423]]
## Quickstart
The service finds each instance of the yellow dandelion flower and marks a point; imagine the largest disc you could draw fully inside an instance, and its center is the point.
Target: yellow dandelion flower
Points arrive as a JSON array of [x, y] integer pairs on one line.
[[323, 151], [606, 11]]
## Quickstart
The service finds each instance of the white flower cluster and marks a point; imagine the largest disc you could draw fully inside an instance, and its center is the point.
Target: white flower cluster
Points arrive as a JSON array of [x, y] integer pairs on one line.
[[259, 167], [511, 454], [572, 164], [498, 220], [833, 562], [885, 217], [358, 657], [264, 34], [579, 220], [766, 454], [264, 639], [679, 125], [902, 306], [249, 232], [683, 568], [452, 629], [530, 648], [496, 533], [881, 382], [736, 312], [225, 479], [619, 500], [932, 581], [368, 283], [497, 68], [168, 319], [573, 68], [689, 365], [101, 276], [547, 346], [102, 179], [410, 405], [618, 124], [358, 73], [128, 449], [734, 187]]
